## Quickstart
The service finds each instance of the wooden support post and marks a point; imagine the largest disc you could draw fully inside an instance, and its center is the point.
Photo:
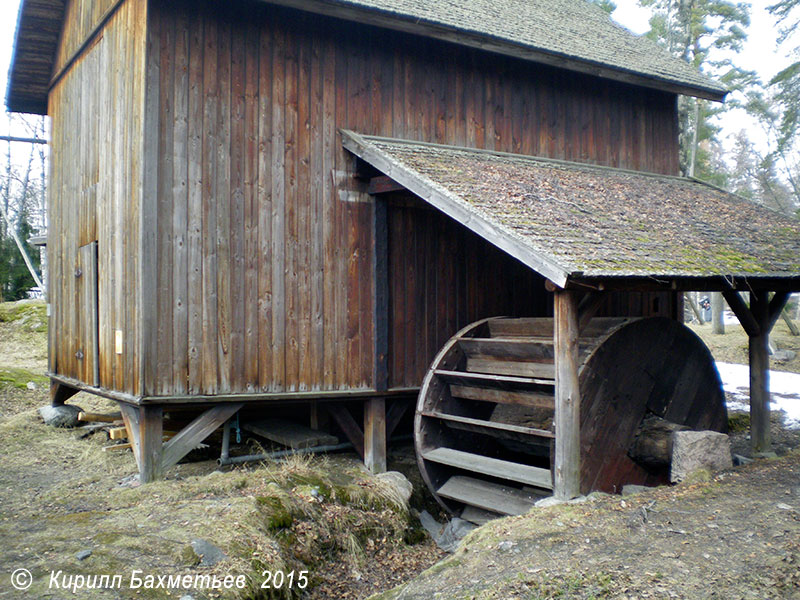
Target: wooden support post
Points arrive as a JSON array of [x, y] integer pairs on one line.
[[60, 393], [348, 425], [568, 402], [759, 376], [375, 435], [145, 431], [588, 308], [195, 432]]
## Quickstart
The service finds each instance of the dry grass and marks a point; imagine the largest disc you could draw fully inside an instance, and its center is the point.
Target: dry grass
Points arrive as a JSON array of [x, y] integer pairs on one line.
[[62, 495]]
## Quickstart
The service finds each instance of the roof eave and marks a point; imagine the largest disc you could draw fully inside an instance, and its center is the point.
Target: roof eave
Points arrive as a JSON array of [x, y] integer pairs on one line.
[[402, 23], [442, 200]]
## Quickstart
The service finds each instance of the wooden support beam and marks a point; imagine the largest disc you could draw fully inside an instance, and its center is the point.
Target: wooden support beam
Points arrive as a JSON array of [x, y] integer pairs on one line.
[[195, 432], [375, 435], [60, 393], [348, 425], [788, 320], [383, 184], [145, 425], [588, 308], [743, 313], [776, 306], [759, 375], [394, 415], [568, 401]]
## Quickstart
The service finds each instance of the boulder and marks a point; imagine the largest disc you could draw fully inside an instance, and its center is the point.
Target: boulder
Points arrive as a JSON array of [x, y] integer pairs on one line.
[[209, 554], [65, 415], [446, 536], [399, 483], [694, 450]]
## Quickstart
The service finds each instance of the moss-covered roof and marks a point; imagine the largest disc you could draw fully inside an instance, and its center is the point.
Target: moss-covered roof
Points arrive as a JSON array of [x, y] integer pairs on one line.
[[582, 221]]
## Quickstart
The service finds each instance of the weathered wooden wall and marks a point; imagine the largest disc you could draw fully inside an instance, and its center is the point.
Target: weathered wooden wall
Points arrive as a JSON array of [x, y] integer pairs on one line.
[[265, 236], [81, 17], [94, 196]]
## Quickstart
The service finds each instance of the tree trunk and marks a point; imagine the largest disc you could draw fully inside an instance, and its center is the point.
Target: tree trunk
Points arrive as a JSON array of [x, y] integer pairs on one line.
[[717, 313]]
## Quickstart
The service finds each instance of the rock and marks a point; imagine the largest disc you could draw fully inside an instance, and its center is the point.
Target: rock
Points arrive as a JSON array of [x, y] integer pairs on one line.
[[31, 385], [694, 450], [187, 597], [783, 355], [399, 483], [549, 501], [83, 554], [447, 536], [65, 415], [631, 489], [209, 554], [740, 461], [505, 546]]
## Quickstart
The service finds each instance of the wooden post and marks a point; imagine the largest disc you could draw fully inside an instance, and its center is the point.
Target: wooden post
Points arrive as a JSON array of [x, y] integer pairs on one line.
[[375, 435], [145, 432], [568, 402], [759, 376], [60, 393], [758, 320]]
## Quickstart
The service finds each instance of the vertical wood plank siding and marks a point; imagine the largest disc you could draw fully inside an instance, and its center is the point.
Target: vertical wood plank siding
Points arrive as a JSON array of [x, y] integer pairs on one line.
[[265, 234], [94, 193]]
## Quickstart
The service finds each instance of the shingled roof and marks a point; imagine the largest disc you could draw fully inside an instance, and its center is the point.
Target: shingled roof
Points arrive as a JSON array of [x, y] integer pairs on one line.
[[571, 34], [574, 222]]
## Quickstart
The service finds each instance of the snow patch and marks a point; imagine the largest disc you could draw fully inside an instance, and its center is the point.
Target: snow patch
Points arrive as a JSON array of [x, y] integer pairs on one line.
[[784, 388]]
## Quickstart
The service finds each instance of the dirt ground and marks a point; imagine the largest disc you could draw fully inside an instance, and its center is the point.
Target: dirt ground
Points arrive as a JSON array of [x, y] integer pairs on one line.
[[736, 535], [61, 495]]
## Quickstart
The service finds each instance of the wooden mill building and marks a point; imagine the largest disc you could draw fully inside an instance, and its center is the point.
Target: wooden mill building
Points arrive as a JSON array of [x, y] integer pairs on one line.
[[260, 203]]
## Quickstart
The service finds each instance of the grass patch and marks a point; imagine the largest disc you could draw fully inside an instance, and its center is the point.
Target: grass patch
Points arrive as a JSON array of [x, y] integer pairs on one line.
[[28, 315], [19, 378]]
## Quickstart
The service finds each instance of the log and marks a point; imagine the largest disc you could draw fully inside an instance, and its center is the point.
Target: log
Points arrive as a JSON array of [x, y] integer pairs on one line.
[[99, 418], [652, 446]]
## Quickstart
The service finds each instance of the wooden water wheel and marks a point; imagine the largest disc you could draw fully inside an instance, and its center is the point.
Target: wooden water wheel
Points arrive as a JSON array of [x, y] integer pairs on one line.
[[483, 427]]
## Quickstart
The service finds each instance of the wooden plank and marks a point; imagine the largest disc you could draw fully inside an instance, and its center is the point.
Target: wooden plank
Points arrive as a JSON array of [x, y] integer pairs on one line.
[[288, 433], [252, 257], [500, 396], [568, 400], [485, 378], [210, 375], [530, 349], [179, 200], [478, 516], [265, 211], [194, 433], [539, 370], [194, 236], [491, 425], [279, 348], [237, 229], [381, 296], [487, 496], [493, 467], [348, 425], [375, 435]]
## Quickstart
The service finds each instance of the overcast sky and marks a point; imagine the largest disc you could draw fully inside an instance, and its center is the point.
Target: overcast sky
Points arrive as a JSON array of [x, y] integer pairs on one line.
[[759, 53]]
